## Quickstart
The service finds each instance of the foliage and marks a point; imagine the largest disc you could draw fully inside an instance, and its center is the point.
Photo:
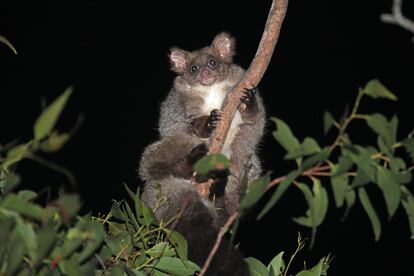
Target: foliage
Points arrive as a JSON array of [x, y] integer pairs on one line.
[[352, 168], [277, 266]]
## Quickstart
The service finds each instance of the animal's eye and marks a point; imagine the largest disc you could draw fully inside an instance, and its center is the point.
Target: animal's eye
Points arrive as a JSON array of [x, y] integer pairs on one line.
[[194, 68], [212, 62]]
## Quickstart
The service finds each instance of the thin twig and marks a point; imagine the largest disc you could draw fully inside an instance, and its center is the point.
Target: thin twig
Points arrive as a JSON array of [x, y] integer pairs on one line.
[[216, 246], [397, 18]]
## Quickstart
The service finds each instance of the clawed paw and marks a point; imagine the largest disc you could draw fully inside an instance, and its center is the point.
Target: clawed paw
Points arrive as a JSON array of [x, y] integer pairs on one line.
[[214, 119], [248, 97]]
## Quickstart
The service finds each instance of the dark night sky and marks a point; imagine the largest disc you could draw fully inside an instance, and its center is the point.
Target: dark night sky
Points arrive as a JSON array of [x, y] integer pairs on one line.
[[115, 55]]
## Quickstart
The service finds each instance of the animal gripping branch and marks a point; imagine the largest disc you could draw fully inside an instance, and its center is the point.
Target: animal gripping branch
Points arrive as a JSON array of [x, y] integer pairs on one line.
[[252, 77]]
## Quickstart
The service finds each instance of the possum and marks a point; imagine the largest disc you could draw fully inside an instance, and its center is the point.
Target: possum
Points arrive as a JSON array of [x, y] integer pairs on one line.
[[188, 116]]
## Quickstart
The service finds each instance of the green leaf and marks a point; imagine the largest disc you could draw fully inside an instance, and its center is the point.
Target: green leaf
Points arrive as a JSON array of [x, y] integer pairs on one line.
[[176, 266], [318, 206], [256, 267], [15, 154], [328, 121], [350, 198], [69, 267], [284, 135], [9, 182], [409, 146], [255, 191], [46, 121], [362, 158], [361, 179], [145, 215], [70, 205], [339, 186], [161, 249], [16, 252], [120, 243], [408, 204], [6, 227], [46, 238], [317, 202], [369, 209], [116, 211], [314, 159], [276, 265], [15, 203], [216, 161], [281, 189], [386, 130], [94, 241], [29, 237], [376, 89], [344, 164], [180, 244], [8, 44], [390, 189], [308, 147], [27, 195], [55, 142]]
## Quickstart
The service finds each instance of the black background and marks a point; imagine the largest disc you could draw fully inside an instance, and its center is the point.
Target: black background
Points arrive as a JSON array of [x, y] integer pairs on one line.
[[115, 55]]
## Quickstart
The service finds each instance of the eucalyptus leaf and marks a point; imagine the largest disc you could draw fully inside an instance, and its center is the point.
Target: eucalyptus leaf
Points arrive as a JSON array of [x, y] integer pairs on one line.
[[176, 266], [46, 238], [344, 165], [339, 186], [284, 135], [408, 204], [55, 142], [376, 89], [350, 198], [15, 203], [179, 243], [363, 160], [48, 118], [390, 189], [161, 249], [386, 130], [308, 147], [94, 241], [369, 209], [69, 267], [281, 189], [276, 265], [255, 191], [328, 121], [6, 227], [409, 146], [209, 162], [16, 252], [256, 267], [314, 159]]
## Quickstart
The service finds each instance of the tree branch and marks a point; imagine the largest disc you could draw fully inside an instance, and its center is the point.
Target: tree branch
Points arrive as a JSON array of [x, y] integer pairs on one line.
[[398, 18], [252, 77]]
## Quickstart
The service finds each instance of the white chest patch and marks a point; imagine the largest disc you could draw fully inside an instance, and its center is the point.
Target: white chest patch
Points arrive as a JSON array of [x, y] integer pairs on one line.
[[214, 96]]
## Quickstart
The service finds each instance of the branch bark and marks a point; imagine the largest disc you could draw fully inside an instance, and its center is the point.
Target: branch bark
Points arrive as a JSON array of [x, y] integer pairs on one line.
[[398, 18], [252, 77]]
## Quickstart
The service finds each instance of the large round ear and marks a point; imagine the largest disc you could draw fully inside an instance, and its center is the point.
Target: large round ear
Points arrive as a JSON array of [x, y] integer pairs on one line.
[[223, 46], [178, 60]]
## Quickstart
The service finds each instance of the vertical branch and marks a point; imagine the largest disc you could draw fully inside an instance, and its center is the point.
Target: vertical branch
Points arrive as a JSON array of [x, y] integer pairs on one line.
[[253, 75]]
